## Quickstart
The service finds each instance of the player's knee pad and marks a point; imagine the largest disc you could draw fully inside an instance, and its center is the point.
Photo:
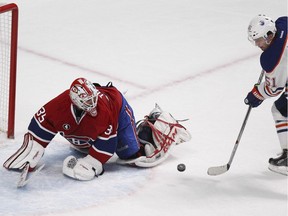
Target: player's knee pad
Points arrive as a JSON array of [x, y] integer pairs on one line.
[[277, 116], [282, 104], [30, 152], [83, 169]]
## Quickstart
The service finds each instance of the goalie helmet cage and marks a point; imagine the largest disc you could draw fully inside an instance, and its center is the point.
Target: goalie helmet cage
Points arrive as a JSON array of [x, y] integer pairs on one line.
[[8, 64]]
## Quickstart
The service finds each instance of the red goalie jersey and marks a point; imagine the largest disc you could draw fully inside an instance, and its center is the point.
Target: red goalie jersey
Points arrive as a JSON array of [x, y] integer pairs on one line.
[[78, 127]]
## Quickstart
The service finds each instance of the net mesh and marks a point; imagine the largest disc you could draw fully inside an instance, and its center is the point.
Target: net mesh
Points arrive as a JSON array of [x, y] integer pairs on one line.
[[5, 47]]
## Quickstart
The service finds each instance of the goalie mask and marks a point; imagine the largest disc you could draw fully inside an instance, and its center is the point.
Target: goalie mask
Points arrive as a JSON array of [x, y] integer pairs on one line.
[[83, 95]]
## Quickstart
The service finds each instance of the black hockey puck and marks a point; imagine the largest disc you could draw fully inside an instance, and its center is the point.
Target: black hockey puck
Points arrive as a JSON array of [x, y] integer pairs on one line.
[[181, 167]]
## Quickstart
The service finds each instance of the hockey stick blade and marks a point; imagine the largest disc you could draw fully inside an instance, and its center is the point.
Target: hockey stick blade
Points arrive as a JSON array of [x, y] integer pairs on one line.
[[23, 175], [24, 180], [218, 170]]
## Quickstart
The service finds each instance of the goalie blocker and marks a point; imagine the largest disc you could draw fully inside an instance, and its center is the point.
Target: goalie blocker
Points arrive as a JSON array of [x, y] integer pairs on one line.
[[157, 132], [30, 152]]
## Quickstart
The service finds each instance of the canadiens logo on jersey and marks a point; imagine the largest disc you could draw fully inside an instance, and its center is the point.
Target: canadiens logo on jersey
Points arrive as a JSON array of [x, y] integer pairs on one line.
[[80, 141]]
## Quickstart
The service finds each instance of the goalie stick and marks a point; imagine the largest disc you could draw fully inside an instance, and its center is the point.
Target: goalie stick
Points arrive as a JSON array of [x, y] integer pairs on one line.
[[218, 170], [23, 180]]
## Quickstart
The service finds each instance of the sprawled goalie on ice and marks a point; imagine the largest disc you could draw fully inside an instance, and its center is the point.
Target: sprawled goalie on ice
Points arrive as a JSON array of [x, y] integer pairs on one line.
[[98, 121]]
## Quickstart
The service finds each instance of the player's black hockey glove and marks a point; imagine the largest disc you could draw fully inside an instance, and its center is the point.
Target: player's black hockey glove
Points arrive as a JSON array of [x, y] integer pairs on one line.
[[254, 98]]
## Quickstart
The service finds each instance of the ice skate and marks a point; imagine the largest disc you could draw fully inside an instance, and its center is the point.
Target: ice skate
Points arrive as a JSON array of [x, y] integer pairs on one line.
[[279, 164]]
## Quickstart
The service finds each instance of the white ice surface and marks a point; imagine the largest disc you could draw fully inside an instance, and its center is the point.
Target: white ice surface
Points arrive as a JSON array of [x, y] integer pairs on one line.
[[192, 58]]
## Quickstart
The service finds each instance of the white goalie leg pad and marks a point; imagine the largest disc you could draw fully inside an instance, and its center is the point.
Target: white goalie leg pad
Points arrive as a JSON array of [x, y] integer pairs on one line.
[[172, 131], [83, 169], [166, 132], [30, 152], [154, 159]]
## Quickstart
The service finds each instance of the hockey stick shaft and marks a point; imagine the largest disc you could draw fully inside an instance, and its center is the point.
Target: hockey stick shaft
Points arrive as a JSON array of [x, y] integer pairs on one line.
[[222, 169], [239, 136], [243, 124]]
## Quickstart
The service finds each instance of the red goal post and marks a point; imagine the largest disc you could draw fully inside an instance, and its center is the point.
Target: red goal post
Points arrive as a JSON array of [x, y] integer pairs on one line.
[[8, 65]]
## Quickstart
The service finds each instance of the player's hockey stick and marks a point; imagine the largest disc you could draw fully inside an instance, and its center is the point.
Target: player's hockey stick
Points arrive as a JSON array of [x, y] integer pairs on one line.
[[23, 180], [217, 170], [23, 175]]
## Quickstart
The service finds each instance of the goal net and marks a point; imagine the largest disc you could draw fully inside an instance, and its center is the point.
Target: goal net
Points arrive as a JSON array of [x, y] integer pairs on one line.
[[8, 60]]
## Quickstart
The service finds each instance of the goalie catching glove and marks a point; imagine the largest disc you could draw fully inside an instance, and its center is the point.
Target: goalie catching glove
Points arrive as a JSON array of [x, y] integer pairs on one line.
[[83, 168], [158, 132], [30, 152]]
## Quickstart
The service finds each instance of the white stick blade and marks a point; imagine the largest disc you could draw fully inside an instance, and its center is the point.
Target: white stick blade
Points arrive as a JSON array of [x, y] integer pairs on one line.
[[218, 170], [23, 176]]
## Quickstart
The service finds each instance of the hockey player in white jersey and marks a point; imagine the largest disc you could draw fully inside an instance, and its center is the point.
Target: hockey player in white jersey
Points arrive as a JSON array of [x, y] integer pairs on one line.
[[271, 37]]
